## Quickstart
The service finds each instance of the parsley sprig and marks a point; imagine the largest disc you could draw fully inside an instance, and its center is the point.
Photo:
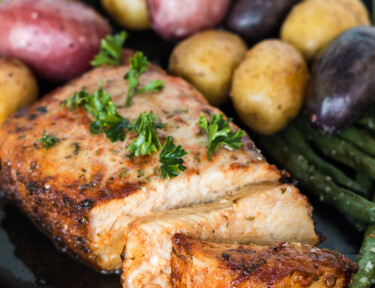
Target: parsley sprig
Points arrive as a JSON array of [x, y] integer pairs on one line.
[[147, 141], [48, 140], [100, 105], [219, 132], [111, 50], [139, 65], [171, 159]]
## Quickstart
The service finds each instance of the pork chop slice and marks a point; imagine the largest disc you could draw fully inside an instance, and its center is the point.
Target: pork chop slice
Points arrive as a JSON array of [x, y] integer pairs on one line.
[[201, 264], [85, 191], [262, 214]]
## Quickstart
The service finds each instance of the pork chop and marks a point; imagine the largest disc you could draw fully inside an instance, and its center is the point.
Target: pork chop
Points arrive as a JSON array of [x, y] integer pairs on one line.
[[262, 214], [85, 191], [206, 264]]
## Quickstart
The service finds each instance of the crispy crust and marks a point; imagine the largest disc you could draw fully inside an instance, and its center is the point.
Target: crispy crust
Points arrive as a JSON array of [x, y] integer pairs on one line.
[[205, 264]]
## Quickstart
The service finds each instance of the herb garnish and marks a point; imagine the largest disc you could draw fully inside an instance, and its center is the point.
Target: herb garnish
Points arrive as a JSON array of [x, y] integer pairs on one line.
[[48, 140], [219, 132], [147, 141], [139, 65], [111, 50], [171, 159], [100, 105]]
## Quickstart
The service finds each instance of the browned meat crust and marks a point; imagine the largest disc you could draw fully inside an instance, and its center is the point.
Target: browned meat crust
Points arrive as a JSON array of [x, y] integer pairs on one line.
[[205, 264]]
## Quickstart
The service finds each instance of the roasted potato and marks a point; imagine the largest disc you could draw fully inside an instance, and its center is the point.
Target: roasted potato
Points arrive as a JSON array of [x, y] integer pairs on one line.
[[175, 20], [131, 14], [256, 20], [338, 96], [269, 86], [314, 23], [358, 8], [56, 38], [207, 60], [18, 86]]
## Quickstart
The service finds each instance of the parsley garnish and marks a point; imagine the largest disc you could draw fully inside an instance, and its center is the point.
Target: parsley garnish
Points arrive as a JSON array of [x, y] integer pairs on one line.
[[139, 65], [147, 141], [171, 159], [100, 105], [48, 140], [219, 132], [111, 50]]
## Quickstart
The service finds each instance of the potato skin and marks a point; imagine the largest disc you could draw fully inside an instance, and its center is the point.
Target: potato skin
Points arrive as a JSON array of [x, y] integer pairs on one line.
[[207, 60], [341, 87], [256, 20], [314, 23], [131, 14], [56, 38], [175, 20], [269, 85], [18, 86]]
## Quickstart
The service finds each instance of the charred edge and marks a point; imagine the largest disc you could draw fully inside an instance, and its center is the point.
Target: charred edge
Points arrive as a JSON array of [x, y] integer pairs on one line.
[[42, 110]]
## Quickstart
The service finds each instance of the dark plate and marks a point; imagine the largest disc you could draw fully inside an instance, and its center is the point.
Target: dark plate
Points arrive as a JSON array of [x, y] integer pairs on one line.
[[28, 259]]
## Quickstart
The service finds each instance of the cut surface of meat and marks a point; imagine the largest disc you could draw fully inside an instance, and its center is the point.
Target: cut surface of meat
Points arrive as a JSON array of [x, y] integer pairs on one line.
[[205, 264], [263, 214], [85, 191]]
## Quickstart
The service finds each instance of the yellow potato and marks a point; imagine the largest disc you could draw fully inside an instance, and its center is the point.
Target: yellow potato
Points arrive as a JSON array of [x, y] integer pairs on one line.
[[314, 23], [269, 86], [131, 14], [18, 86], [207, 60], [359, 10]]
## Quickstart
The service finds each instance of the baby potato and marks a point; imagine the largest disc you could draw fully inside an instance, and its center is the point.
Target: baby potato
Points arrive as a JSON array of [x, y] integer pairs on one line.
[[314, 23], [57, 39], [207, 60], [18, 86], [269, 86], [178, 19], [358, 8], [131, 14]]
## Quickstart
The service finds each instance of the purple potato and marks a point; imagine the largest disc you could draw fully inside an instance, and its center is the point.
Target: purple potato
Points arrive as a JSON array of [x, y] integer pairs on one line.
[[255, 20], [342, 84]]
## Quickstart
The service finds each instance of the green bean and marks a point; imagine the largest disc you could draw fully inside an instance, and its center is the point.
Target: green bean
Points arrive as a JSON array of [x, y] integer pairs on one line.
[[340, 150], [359, 138], [366, 261], [296, 140], [316, 182]]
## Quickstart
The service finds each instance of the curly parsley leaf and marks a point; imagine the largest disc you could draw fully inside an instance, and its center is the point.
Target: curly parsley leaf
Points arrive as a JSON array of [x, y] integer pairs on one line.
[[171, 159], [139, 65], [147, 141], [48, 140], [111, 50], [78, 99], [219, 132], [100, 105]]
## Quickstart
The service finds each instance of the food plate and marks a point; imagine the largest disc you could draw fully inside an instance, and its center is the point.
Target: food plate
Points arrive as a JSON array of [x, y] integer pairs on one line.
[[29, 259]]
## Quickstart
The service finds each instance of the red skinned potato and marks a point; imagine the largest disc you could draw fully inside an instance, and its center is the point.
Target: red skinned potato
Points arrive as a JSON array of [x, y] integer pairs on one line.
[[175, 20], [56, 38]]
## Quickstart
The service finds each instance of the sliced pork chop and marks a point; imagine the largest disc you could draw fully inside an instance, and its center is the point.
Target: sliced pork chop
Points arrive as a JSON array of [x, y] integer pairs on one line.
[[262, 214], [84, 191], [205, 264]]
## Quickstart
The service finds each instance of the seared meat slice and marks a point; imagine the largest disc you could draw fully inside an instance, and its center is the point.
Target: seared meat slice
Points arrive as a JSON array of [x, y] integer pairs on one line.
[[206, 264], [84, 192], [263, 214]]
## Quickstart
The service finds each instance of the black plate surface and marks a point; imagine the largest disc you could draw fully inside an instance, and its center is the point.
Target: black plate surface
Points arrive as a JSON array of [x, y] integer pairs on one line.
[[28, 259]]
